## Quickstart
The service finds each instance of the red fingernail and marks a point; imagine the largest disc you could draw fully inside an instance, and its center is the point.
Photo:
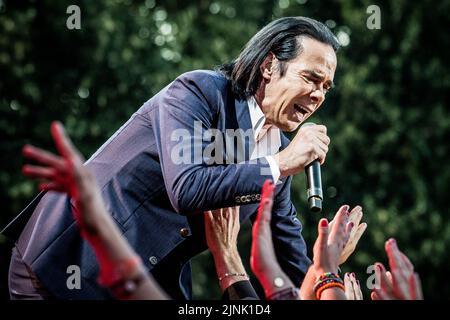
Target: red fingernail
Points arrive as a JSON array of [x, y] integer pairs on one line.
[[346, 207], [25, 148], [324, 223]]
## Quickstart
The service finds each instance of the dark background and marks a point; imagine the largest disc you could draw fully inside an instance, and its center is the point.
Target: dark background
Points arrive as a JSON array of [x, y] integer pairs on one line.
[[388, 117]]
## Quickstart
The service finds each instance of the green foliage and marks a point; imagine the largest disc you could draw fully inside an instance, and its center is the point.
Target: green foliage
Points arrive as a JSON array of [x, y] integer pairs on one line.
[[388, 118]]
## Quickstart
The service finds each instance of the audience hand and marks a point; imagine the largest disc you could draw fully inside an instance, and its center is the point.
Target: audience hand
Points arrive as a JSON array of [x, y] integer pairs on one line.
[[67, 173], [263, 260], [221, 229], [352, 287], [357, 231], [327, 251], [401, 283]]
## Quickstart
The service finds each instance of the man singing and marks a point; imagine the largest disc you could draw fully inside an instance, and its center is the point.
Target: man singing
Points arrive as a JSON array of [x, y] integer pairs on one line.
[[185, 151]]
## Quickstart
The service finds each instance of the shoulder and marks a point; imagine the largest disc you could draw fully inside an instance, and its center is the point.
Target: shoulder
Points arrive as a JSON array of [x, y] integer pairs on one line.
[[205, 80]]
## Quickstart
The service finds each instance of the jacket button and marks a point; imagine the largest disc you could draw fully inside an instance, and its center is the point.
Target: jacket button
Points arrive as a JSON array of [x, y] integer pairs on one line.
[[184, 232], [153, 260]]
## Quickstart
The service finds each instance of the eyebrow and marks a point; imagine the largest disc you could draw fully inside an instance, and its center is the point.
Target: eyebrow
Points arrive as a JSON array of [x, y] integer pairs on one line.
[[320, 77]]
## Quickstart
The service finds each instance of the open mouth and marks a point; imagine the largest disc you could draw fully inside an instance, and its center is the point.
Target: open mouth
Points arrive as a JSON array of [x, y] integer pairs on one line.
[[301, 109]]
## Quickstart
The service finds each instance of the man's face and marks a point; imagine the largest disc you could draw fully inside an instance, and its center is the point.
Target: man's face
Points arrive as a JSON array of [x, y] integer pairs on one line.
[[290, 100]]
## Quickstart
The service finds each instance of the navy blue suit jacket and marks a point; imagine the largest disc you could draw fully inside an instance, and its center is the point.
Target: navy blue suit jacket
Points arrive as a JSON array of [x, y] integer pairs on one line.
[[152, 197]]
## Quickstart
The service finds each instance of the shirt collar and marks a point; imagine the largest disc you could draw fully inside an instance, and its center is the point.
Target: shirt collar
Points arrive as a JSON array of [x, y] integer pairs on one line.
[[256, 116]]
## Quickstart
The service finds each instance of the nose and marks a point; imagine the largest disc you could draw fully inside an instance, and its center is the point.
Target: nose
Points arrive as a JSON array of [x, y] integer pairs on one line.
[[317, 96]]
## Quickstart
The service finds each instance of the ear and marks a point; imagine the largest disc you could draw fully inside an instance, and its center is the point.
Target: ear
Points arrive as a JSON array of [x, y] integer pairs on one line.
[[267, 67]]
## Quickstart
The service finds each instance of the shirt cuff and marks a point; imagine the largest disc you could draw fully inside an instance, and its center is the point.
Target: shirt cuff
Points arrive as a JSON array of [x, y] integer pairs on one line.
[[273, 168]]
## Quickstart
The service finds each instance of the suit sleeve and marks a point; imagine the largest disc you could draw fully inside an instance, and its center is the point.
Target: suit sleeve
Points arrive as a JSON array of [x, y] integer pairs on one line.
[[188, 108], [241, 290], [289, 245]]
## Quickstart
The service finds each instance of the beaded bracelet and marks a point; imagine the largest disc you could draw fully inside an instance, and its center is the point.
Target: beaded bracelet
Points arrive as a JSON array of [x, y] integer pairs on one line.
[[232, 275], [327, 280], [328, 275], [328, 286]]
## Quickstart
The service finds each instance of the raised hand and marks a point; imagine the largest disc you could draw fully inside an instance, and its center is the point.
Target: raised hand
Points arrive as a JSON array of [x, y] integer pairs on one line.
[[263, 260], [358, 229], [331, 241], [66, 173], [401, 282], [221, 230], [327, 251]]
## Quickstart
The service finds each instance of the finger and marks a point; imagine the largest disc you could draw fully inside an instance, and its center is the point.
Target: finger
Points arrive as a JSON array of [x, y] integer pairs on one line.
[[216, 213], [401, 285], [52, 186], [359, 232], [381, 294], [38, 172], [385, 284], [349, 292], [63, 142], [320, 128], [323, 138], [225, 213], [408, 264], [358, 292], [322, 146], [236, 210], [354, 284], [209, 215], [319, 153], [356, 215], [322, 238], [43, 157], [340, 219], [346, 235], [348, 229], [393, 253], [354, 238], [374, 296], [389, 277], [417, 287]]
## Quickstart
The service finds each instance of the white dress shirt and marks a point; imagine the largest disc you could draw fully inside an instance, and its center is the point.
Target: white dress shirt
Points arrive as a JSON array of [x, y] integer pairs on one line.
[[267, 138]]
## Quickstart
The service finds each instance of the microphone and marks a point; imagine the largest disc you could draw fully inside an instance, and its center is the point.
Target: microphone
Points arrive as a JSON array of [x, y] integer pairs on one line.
[[314, 181]]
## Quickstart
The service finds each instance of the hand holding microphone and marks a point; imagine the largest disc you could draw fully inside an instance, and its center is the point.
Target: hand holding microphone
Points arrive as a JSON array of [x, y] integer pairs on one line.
[[309, 144]]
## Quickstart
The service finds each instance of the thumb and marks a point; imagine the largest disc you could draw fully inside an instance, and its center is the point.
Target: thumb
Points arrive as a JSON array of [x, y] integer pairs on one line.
[[322, 238]]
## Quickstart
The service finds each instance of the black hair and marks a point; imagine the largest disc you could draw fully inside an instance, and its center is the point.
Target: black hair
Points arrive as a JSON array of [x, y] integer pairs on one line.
[[281, 37]]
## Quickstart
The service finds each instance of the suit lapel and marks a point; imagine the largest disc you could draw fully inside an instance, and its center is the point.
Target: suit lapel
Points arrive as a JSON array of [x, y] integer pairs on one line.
[[235, 128]]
